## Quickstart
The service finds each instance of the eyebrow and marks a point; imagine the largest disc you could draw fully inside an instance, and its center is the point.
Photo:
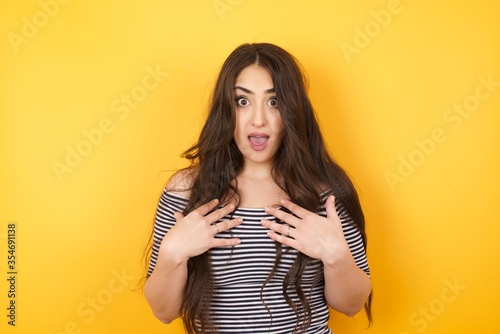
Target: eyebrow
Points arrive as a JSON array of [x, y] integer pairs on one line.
[[248, 91]]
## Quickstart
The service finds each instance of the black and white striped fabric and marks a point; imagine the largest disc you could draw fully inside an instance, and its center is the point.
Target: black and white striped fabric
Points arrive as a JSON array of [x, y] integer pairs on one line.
[[240, 303]]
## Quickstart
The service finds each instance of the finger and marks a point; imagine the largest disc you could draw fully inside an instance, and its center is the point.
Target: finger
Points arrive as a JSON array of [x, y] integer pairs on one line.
[[225, 242], [330, 208], [283, 240], [220, 213], [229, 224], [283, 229], [295, 209], [178, 216], [207, 207], [283, 216], [217, 230]]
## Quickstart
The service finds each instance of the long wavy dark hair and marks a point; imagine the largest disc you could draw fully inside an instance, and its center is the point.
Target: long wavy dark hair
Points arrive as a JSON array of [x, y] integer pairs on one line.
[[302, 169]]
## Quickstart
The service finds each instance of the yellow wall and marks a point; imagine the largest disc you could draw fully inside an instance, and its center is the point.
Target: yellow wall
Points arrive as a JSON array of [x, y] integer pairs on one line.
[[407, 92]]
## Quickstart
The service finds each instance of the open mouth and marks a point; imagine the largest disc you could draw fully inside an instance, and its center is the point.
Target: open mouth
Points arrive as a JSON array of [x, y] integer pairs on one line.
[[258, 142]]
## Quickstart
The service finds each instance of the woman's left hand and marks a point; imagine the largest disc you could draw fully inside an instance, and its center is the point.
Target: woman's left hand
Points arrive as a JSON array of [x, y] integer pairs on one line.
[[311, 234]]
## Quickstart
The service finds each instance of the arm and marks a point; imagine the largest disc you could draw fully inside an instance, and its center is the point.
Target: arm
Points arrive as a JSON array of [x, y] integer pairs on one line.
[[191, 235], [167, 270], [347, 287], [172, 273]]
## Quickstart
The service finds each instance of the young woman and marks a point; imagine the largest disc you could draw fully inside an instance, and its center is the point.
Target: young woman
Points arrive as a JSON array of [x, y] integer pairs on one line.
[[264, 230]]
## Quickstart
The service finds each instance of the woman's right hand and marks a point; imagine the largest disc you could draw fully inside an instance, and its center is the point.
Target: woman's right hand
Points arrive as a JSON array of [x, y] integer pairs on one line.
[[195, 233]]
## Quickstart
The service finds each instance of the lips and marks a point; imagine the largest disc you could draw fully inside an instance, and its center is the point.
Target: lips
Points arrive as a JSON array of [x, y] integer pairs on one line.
[[258, 141]]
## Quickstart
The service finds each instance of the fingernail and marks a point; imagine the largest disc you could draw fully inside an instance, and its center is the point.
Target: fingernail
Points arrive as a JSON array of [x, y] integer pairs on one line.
[[332, 198], [283, 202], [231, 206], [216, 200], [267, 209], [239, 219], [263, 222]]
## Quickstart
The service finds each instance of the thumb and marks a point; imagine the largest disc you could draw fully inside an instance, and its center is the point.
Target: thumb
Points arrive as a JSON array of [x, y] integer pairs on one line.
[[178, 216], [331, 211]]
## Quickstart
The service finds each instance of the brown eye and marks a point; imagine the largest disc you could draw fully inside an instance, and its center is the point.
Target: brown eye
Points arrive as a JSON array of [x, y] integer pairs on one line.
[[242, 102], [273, 103]]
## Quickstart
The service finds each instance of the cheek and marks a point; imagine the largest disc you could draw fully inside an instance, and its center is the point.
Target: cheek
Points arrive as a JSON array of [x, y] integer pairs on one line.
[[278, 125], [238, 130]]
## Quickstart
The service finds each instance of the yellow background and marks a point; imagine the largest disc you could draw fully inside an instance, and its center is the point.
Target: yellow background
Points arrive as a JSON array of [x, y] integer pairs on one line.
[[81, 232]]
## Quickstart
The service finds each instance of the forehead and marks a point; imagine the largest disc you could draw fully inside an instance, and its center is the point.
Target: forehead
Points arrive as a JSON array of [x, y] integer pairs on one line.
[[254, 76]]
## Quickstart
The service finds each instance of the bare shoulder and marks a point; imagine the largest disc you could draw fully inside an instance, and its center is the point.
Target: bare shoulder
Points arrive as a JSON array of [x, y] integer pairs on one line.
[[181, 182]]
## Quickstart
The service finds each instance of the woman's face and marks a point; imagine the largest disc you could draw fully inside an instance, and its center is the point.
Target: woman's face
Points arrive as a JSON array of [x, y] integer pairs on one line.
[[259, 127]]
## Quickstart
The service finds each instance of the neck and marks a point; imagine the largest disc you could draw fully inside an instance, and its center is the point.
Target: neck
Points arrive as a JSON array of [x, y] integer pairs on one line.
[[257, 170]]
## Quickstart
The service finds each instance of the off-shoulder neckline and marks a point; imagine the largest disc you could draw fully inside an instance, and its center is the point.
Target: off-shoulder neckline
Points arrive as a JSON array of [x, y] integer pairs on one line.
[[185, 199]]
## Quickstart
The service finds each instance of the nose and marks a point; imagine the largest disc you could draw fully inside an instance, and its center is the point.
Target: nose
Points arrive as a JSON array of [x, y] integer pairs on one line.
[[259, 116]]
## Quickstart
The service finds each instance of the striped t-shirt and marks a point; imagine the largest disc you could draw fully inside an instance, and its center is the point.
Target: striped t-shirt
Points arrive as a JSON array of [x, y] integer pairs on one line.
[[240, 272]]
